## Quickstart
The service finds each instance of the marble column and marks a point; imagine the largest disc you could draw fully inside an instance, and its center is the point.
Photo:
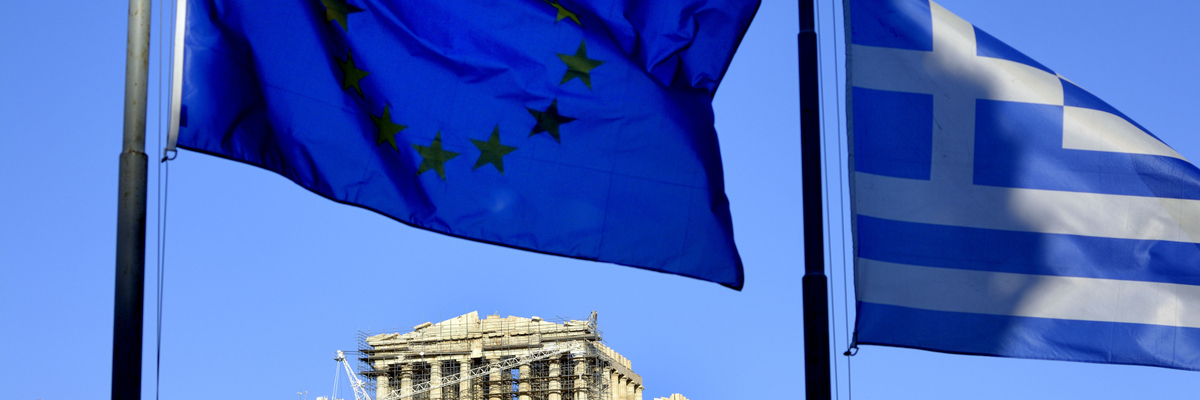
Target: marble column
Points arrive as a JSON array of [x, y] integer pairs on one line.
[[555, 385], [581, 385], [406, 375], [381, 384], [524, 385], [435, 377], [494, 385], [637, 393], [614, 385], [464, 387]]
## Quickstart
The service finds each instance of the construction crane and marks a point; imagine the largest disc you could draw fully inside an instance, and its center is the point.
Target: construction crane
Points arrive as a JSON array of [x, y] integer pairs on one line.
[[549, 350], [359, 387]]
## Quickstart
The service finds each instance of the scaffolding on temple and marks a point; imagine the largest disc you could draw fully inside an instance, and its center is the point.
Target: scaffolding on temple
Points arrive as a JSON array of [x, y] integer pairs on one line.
[[496, 358]]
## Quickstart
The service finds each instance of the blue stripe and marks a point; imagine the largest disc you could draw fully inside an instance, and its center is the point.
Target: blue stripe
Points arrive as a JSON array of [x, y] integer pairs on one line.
[[1027, 252], [1075, 96], [1020, 145], [987, 45], [897, 24], [1025, 337]]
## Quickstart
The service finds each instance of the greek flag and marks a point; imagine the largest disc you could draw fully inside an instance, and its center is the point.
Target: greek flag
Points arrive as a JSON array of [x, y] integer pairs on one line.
[[1002, 210]]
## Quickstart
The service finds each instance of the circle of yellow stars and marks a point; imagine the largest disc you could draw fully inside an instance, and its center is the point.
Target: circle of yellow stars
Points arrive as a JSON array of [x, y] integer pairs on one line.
[[491, 151]]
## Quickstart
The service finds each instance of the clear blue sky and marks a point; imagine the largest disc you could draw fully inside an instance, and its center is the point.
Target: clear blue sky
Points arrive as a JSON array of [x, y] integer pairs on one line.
[[265, 280]]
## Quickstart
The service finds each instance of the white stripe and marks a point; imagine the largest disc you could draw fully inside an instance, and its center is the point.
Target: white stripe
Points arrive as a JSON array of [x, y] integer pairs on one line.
[[996, 293], [176, 76], [1088, 129], [1028, 210], [914, 71]]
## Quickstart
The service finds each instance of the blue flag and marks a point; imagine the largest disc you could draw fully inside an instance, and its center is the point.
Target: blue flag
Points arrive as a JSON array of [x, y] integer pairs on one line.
[[569, 127], [1000, 209]]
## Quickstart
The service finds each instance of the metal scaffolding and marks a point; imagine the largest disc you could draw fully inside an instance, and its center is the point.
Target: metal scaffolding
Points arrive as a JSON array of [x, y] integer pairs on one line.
[[493, 358]]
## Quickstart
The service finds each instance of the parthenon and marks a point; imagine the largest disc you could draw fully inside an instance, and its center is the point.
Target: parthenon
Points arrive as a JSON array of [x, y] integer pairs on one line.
[[509, 358]]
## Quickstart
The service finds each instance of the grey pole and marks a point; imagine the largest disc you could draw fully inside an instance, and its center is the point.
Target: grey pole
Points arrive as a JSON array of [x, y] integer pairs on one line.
[[813, 285], [131, 213]]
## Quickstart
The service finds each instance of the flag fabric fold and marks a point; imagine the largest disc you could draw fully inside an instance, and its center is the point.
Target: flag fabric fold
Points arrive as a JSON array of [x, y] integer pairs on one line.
[[1001, 209], [576, 128]]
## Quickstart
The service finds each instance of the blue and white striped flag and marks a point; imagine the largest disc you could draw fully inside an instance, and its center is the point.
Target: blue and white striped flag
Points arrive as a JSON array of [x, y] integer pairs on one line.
[[1002, 210]]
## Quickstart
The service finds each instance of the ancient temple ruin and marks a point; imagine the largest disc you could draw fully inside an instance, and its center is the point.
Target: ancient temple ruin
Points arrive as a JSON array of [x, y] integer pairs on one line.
[[497, 358]]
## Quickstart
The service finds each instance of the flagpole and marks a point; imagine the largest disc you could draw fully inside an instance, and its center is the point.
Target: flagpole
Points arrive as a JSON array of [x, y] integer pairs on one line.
[[131, 212], [813, 285]]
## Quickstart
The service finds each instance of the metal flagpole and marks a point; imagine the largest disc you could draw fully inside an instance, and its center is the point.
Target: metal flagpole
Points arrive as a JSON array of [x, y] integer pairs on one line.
[[131, 213], [815, 292]]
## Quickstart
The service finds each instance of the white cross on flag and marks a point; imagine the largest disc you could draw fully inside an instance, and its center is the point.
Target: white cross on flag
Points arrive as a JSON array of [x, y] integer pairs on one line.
[[1002, 210]]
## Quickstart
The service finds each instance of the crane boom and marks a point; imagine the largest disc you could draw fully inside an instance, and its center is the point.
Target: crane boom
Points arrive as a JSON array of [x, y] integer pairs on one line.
[[359, 387]]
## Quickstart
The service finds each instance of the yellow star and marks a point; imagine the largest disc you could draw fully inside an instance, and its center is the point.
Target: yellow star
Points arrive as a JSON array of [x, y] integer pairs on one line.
[[579, 66], [563, 13], [337, 10], [387, 129], [434, 157], [491, 151]]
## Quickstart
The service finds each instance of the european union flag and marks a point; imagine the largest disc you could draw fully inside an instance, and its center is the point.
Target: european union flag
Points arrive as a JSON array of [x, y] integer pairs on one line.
[[1003, 210], [570, 127]]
